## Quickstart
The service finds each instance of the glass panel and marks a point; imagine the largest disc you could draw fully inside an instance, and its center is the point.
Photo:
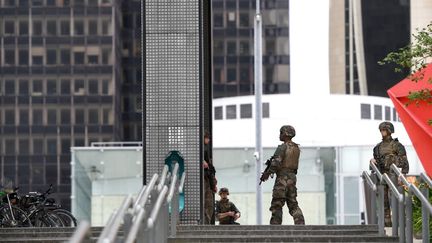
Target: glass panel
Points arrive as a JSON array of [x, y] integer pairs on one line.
[[246, 111], [37, 117], [52, 116], [218, 115], [52, 86], [65, 116], [24, 117], [231, 112]]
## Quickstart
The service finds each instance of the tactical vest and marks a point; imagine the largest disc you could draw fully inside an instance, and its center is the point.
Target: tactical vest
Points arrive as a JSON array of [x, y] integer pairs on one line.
[[290, 157], [387, 155]]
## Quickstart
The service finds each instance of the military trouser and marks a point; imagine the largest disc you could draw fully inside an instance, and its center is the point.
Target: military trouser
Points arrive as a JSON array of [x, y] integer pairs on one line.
[[208, 202], [285, 190], [387, 210]]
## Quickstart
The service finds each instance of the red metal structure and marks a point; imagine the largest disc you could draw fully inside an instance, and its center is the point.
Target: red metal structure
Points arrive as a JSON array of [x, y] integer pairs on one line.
[[415, 116]]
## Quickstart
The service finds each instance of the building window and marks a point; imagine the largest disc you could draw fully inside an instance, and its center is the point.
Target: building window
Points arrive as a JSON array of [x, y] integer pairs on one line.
[[218, 113], [51, 55], [37, 60], [37, 3], [244, 48], [377, 112], [79, 58], [9, 3], [52, 146], [218, 20], [106, 116], [23, 28], [92, 27], [79, 116], [93, 116], [244, 75], [231, 48], [23, 146], [79, 87], [38, 147], [10, 87], [37, 87], [65, 27], [218, 47], [9, 57], [93, 86], [9, 117], [51, 2], [387, 113], [65, 87], [105, 87], [51, 87], [52, 116], [52, 27], [65, 56], [106, 54], [9, 27], [37, 28], [231, 75], [10, 148], [37, 117], [266, 110], [244, 20], [78, 27], [365, 111], [245, 111], [93, 59], [270, 47], [65, 146], [23, 57], [217, 75], [106, 26], [92, 2], [65, 117], [394, 115], [231, 112], [23, 87]]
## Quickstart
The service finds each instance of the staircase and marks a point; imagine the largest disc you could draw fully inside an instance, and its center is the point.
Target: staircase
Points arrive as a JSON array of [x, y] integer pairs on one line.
[[46, 235], [283, 233]]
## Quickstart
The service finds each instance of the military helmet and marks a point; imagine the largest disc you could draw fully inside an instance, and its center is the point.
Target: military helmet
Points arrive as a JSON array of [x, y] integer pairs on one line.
[[288, 130], [386, 126], [223, 189]]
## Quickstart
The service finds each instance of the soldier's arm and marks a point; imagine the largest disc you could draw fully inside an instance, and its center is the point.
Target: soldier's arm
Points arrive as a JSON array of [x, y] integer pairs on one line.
[[277, 158], [403, 160]]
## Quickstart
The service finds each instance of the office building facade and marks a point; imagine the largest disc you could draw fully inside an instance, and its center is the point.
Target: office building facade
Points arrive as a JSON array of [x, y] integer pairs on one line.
[[60, 86]]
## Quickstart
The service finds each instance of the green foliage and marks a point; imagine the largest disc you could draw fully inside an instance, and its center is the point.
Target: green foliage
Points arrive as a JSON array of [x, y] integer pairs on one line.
[[417, 214], [414, 57]]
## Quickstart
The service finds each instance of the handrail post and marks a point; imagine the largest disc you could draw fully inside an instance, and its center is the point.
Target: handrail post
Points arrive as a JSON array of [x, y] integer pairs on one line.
[[381, 209], [409, 221], [401, 216], [425, 217], [373, 207], [394, 206]]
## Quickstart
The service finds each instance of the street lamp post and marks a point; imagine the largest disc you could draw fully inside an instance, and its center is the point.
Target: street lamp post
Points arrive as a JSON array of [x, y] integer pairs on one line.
[[258, 107]]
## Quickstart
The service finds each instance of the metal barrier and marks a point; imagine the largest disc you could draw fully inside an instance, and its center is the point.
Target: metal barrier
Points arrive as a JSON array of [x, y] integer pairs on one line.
[[402, 219], [147, 218]]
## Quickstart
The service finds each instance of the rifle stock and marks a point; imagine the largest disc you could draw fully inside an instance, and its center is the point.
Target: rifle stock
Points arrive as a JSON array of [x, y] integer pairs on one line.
[[268, 164]]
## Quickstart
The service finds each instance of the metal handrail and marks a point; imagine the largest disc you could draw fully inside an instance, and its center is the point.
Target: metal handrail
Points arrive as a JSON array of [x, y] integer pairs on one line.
[[369, 181], [182, 181], [413, 189], [391, 185], [81, 232], [163, 178], [376, 170], [173, 183], [142, 197], [109, 233], [426, 179], [160, 200]]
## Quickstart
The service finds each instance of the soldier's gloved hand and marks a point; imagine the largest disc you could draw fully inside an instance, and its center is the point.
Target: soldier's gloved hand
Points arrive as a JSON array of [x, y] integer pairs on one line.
[[265, 176]]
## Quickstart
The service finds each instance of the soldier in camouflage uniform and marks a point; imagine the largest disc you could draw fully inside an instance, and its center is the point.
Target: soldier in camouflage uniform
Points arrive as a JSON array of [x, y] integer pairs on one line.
[[210, 182], [389, 151], [285, 164], [226, 211]]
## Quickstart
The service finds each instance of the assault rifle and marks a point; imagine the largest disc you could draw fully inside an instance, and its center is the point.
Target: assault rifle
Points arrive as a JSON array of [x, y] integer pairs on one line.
[[268, 164]]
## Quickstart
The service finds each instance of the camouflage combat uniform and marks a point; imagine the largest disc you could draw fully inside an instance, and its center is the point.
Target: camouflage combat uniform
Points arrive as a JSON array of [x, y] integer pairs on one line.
[[285, 165], [223, 206], [389, 151], [209, 192]]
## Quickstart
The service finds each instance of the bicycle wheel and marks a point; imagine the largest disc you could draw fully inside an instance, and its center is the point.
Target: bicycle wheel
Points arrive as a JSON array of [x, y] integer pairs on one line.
[[47, 219], [13, 218], [68, 219]]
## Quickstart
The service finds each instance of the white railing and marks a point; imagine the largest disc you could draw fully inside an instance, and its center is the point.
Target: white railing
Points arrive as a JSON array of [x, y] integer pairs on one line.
[[151, 217]]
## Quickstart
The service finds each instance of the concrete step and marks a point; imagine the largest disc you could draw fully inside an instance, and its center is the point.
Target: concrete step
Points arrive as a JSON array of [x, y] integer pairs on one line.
[[276, 227], [277, 232], [272, 238]]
